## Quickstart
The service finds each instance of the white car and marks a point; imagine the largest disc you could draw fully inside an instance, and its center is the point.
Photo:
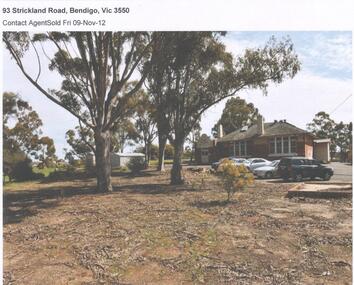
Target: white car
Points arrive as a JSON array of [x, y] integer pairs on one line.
[[239, 161], [267, 171], [255, 163]]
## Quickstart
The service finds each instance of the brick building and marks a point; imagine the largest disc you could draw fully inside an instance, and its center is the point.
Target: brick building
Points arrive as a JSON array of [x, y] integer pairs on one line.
[[267, 140]]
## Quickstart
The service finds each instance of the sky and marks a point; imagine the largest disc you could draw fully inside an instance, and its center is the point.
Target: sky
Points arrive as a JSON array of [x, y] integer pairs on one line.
[[324, 83]]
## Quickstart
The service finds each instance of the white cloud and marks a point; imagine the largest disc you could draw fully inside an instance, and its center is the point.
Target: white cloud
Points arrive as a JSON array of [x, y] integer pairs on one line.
[[56, 120], [296, 100], [328, 52]]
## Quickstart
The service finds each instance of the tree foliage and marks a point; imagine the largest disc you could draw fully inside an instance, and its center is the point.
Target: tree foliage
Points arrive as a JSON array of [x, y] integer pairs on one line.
[[236, 114], [193, 71], [22, 136], [344, 135], [322, 126], [81, 141], [340, 134], [95, 68], [186, 72], [234, 177]]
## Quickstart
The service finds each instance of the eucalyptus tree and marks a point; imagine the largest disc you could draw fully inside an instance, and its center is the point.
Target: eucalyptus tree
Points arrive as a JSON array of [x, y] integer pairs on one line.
[[344, 138], [22, 135], [95, 68], [236, 114], [324, 127], [192, 71], [145, 123], [156, 85]]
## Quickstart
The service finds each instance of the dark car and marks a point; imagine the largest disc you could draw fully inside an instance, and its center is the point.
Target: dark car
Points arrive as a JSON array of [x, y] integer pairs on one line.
[[297, 168]]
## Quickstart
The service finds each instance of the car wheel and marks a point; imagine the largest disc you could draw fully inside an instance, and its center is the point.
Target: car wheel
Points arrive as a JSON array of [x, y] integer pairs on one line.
[[298, 177], [326, 176]]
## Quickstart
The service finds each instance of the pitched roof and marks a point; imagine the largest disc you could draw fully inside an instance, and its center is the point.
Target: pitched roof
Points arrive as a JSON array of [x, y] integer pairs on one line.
[[204, 141], [279, 128]]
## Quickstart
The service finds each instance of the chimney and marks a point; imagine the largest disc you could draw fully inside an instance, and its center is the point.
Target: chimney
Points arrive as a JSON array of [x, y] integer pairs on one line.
[[220, 131], [260, 125]]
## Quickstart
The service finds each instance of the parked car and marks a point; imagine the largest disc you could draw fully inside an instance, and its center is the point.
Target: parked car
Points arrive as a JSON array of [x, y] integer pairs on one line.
[[297, 168], [254, 163], [237, 161], [267, 171]]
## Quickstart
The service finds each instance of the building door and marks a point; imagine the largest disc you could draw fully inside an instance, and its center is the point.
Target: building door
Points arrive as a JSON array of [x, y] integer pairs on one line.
[[205, 156]]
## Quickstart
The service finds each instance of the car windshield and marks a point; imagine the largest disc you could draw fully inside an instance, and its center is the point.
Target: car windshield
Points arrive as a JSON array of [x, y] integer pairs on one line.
[[275, 163]]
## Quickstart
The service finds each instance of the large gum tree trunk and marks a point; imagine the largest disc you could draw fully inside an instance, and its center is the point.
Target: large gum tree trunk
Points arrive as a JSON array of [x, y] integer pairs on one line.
[[162, 146], [103, 161], [176, 172]]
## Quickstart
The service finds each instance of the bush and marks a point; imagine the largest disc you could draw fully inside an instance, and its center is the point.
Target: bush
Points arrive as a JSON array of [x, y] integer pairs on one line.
[[234, 177], [136, 164], [122, 169], [22, 171], [62, 174], [169, 151]]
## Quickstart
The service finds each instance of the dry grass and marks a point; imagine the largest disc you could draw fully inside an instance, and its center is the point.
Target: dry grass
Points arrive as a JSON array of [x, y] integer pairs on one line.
[[148, 232]]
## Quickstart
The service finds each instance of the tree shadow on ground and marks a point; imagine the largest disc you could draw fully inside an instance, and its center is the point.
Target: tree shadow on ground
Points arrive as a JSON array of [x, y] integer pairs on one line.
[[18, 205], [212, 204], [60, 176], [153, 188], [146, 173]]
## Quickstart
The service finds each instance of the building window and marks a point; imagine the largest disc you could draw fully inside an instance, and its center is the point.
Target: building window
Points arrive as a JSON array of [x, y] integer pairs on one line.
[[278, 145], [282, 145], [293, 144], [285, 144], [236, 149], [272, 146], [240, 148]]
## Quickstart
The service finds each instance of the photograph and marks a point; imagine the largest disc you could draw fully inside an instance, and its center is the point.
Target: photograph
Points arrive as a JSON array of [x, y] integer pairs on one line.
[[177, 157]]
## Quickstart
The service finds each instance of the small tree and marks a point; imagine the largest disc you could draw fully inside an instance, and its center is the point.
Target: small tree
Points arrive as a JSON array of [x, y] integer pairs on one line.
[[323, 127], [22, 134], [234, 177], [343, 138]]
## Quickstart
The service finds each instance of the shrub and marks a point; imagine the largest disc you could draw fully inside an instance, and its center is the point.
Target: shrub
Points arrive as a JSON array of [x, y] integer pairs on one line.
[[136, 164], [122, 169], [22, 171], [64, 174], [234, 177]]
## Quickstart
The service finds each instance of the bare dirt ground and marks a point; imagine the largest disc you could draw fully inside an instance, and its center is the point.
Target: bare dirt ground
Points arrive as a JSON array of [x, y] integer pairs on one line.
[[147, 232]]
